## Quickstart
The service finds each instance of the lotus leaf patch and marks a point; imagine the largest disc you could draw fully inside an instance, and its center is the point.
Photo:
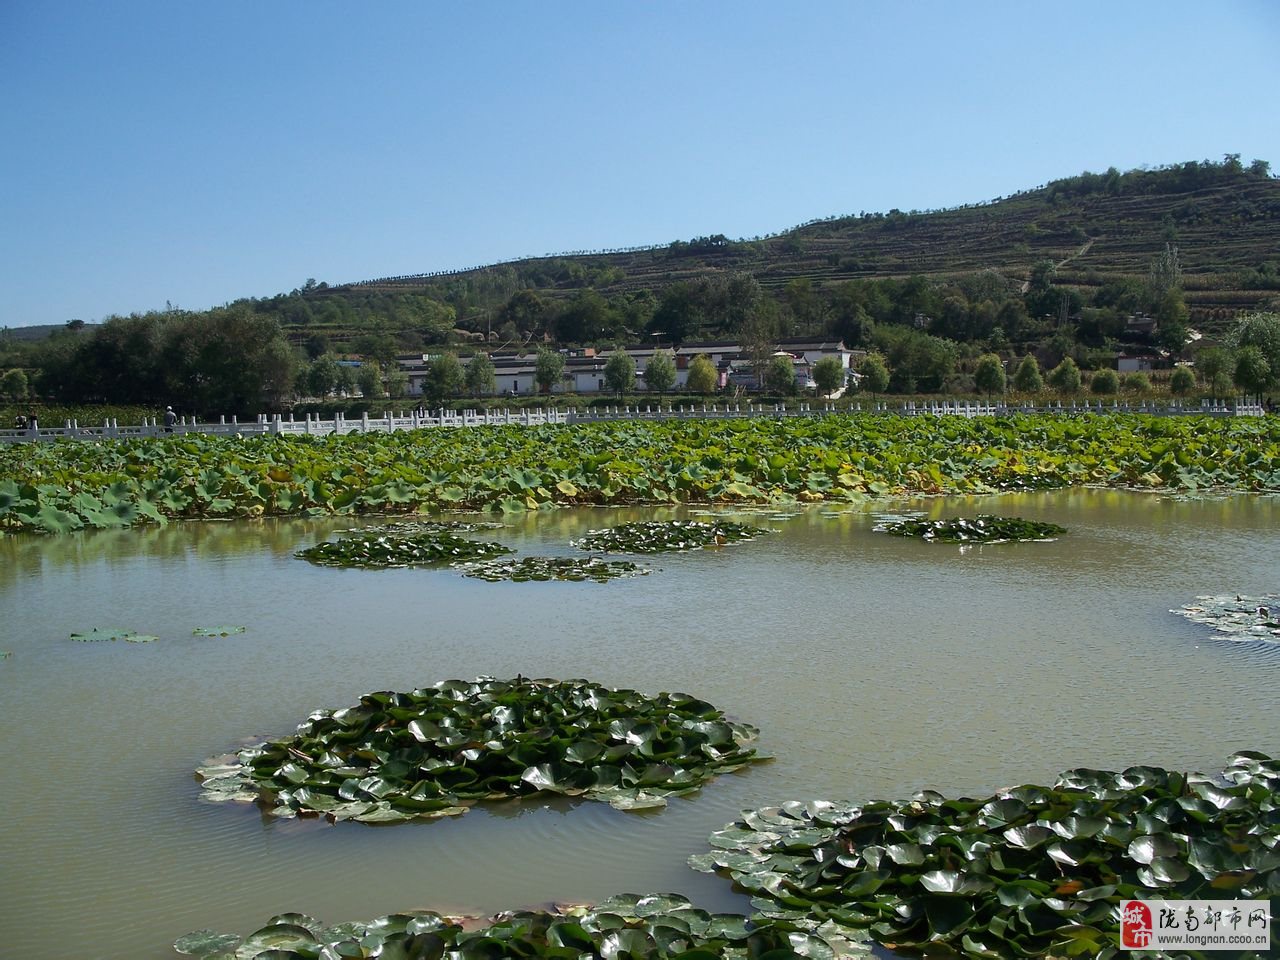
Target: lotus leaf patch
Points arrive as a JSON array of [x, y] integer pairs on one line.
[[434, 751], [1030, 871], [646, 927], [551, 568], [657, 536], [382, 550], [1238, 616], [981, 529]]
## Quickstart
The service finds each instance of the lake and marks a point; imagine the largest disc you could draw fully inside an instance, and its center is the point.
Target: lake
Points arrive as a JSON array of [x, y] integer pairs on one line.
[[874, 666]]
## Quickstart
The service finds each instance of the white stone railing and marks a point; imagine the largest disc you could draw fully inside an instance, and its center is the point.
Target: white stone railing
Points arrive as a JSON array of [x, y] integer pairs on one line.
[[309, 425]]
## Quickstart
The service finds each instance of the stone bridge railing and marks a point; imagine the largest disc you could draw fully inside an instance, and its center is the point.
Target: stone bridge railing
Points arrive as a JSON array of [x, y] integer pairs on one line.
[[421, 420]]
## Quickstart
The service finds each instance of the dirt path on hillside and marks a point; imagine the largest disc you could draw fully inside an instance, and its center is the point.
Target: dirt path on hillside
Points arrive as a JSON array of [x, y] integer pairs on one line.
[[1026, 284]]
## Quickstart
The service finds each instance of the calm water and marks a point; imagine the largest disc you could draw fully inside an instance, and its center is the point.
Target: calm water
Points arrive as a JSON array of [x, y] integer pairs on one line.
[[874, 666]]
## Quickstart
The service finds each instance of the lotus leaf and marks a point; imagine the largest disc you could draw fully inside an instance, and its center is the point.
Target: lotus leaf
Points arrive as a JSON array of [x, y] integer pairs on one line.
[[216, 631], [574, 569], [380, 550], [433, 751], [1031, 871], [981, 529], [1239, 617], [657, 536], [626, 927]]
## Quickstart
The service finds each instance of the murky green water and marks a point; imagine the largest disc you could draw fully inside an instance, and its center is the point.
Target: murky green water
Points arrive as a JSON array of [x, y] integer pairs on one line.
[[874, 666]]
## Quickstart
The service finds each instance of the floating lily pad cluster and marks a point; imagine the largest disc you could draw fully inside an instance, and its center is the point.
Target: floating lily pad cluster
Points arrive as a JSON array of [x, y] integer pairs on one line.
[[652, 927], [435, 751], [429, 543], [381, 550], [551, 568], [1032, 871], [659, 536], [400, 528], [1240, 617], [981, 529], [108, 633]]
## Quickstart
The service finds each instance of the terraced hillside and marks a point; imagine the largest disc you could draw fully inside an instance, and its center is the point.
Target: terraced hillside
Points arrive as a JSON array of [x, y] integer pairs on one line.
[[1224, 219], [1224, 223]]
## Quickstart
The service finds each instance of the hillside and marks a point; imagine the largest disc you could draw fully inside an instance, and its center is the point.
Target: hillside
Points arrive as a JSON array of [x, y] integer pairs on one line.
[[1224, 219]]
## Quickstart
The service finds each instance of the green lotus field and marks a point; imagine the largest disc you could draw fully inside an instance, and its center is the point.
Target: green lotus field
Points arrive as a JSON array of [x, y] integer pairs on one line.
[[63, 486]]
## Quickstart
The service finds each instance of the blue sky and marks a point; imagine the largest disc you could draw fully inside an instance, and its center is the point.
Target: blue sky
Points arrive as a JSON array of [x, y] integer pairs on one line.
[[195, 153]]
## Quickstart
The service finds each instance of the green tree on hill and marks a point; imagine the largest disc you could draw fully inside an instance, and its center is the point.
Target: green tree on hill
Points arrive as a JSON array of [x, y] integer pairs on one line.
[[1065, 377], [780, 375], [525, 311], [828, 375], [703, 377], [480, 376], [1260, 330], [225, 360], [680, 314], [1105, 383], [620, 373], [444, 379], [759, 337], [397, 382], [1253, 373], [1215, 366], [369, 380], [1026, 378], [321, 376], [1137, 382], [1182, 382], [660, 371], [873, 374], [920, 363], [988, 375], [583, 319], [548, 369], [13, 385], [1164, 276]]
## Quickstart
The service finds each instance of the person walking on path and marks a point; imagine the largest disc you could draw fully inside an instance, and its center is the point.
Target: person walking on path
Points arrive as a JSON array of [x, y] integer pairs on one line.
[[170, 418]]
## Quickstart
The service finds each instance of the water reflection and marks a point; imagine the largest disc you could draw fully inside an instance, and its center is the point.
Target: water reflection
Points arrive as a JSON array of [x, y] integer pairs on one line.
[[28, 555]]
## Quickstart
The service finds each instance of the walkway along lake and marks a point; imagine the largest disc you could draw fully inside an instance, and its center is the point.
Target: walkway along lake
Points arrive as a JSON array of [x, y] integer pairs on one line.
[[874, 666]]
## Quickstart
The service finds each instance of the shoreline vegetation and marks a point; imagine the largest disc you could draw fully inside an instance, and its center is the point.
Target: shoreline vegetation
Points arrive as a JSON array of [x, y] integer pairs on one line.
[[56, 488]]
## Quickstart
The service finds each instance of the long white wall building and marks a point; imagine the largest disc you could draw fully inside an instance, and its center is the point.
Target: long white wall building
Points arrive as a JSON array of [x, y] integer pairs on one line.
[[584, 368]]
